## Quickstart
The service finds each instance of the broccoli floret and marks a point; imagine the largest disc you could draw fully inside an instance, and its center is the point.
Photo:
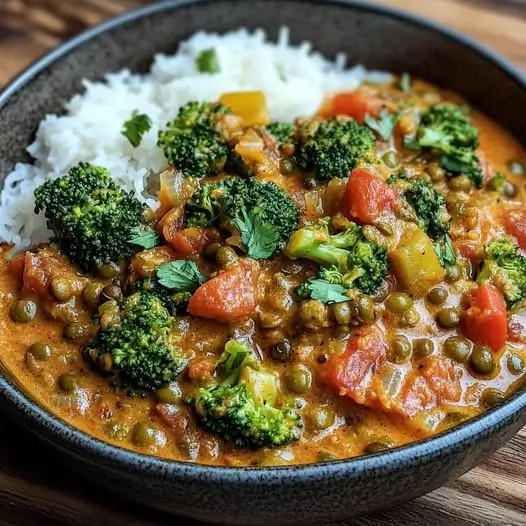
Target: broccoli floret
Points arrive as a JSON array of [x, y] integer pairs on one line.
[[446, 128], [352, 260], [506, 267], [135, 344], [283, 132], [333, 147], [241, 405], [219, 204], [193, 143], [174, 302], [91, 218]]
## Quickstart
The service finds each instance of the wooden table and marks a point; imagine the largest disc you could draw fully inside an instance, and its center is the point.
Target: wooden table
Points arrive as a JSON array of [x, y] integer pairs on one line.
[[33, 493]]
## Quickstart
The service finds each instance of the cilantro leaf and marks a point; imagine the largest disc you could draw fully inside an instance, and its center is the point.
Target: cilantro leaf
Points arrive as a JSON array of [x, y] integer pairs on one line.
[[322, 290], [182, 275], [384, 126], [207, 62], [446, 253], [405, 83], [145, 239], [135, 127], [259, 238]]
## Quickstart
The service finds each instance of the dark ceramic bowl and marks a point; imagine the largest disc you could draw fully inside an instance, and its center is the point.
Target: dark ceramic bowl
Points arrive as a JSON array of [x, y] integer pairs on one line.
[[378, 37]]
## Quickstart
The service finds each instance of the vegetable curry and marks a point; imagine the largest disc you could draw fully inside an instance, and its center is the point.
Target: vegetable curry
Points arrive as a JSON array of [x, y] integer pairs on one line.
[[303, 292]]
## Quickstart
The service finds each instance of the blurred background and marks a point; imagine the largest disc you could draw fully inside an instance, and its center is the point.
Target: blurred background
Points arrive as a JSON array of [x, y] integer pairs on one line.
[[28, 28]]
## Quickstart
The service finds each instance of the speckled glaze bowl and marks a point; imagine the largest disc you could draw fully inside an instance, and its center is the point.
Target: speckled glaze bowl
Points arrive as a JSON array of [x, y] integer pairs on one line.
[[378, 37]]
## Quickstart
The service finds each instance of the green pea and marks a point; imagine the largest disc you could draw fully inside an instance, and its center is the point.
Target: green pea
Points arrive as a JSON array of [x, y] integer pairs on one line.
[[299, 379], [115, 431], [281, 351], [23, 311], [378, 446], [323, 418], [111, 292], [91, 294], [410, 318], [424, 176], [460, 183], [436, 172], [448, 318], [453, 273], [391, 159], [142, 434], [61, 289], [68, 382], [342, 312], [457, 348], [515, 364], [365, 309], [516, 167], [148, 216], [457, 417], [423, 347], [491, 397], [326, 456], [286, 166], [398, 302], [456, 209], [437, 295], [384, 228], [482, 361], [167, 395], [109, 270], [40, 351], [225, 256], [400, 350], [313, 314], [76, 331], [509, 189], [211, 249]]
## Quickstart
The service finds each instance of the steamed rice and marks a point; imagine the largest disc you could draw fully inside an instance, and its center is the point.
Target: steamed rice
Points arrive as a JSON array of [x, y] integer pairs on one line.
[[295, 80]]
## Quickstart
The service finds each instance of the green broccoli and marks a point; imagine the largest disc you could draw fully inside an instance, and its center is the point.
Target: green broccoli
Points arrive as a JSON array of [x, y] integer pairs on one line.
[[92, 219], [352, 260], [175, 302], [446, 128], [333, 147], [506, 268], [240, 406], [266, 210], [193, 143], [135, 343], [283, 132]]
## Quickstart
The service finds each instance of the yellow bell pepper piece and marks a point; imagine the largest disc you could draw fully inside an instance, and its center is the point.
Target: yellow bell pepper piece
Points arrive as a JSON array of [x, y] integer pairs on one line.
[[415, 263], [251, 106]]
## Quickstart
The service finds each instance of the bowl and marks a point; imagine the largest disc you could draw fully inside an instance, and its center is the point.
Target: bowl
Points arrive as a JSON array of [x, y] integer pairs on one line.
[[380, 38]]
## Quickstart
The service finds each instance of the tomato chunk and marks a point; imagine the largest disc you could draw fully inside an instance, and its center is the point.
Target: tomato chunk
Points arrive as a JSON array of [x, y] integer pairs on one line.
[[188, 243], [485, 321], [36, 276], [367, 197], [16, 265], [229, 296], [356, 104], [516, 226]]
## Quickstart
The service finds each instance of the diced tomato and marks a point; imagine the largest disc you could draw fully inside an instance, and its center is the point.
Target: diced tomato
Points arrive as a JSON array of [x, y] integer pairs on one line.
[[516, 226], [473, 251], [201, 369], [145, 263], [188, 243], [36, 275], [352, 371], [485, 321], [367, 197], [15, 267], [443, 378], [356, 104], [416, 396], [229, 296]]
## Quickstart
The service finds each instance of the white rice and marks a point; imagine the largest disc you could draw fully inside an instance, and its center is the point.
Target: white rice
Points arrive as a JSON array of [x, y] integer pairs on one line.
[[295, 80]]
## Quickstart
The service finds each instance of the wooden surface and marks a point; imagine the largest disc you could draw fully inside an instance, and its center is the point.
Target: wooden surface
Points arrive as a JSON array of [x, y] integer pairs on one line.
[[34, 491]]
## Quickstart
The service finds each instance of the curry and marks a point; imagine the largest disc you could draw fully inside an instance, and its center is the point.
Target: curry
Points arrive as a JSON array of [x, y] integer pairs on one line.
[[302, 293]]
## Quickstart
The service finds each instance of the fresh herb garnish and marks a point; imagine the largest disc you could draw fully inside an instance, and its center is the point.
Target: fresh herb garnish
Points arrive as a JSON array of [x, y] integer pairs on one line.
[[145, 239], [207, 61], [405, 83], [322, 290], [135, 127], [259, 238], [446, 253], [182, 275], [384, 126]]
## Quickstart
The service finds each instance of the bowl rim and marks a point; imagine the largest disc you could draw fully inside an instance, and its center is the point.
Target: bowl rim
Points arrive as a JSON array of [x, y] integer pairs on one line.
[[48, 426]]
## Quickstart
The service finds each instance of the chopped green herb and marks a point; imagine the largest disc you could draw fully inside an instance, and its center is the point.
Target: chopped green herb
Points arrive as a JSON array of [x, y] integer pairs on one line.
[[207, 61], [516, 167], [145, 239], [322, 290], [182, 275], [384, 126], [446, 253], [405, 83], [135, 127], [259, 238]]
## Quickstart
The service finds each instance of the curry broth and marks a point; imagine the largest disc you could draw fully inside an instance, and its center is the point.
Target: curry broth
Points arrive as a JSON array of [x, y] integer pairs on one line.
[[334, 426]]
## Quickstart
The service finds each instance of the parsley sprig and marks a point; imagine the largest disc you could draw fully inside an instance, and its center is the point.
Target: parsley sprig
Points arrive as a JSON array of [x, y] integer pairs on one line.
[[384, 125], [182, 275], [145, 238], [135, 127], [260, 238]]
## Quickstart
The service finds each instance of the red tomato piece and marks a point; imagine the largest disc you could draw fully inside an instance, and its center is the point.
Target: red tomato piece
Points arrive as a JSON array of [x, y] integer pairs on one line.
[[188, 243], [229, 296], [516, 226], [485, 321], [36, 276], [367, 197], [356, 104], [15, 267]]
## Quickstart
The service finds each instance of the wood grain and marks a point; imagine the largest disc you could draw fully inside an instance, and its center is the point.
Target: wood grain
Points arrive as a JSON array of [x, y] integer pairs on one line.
[[36, 489]]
